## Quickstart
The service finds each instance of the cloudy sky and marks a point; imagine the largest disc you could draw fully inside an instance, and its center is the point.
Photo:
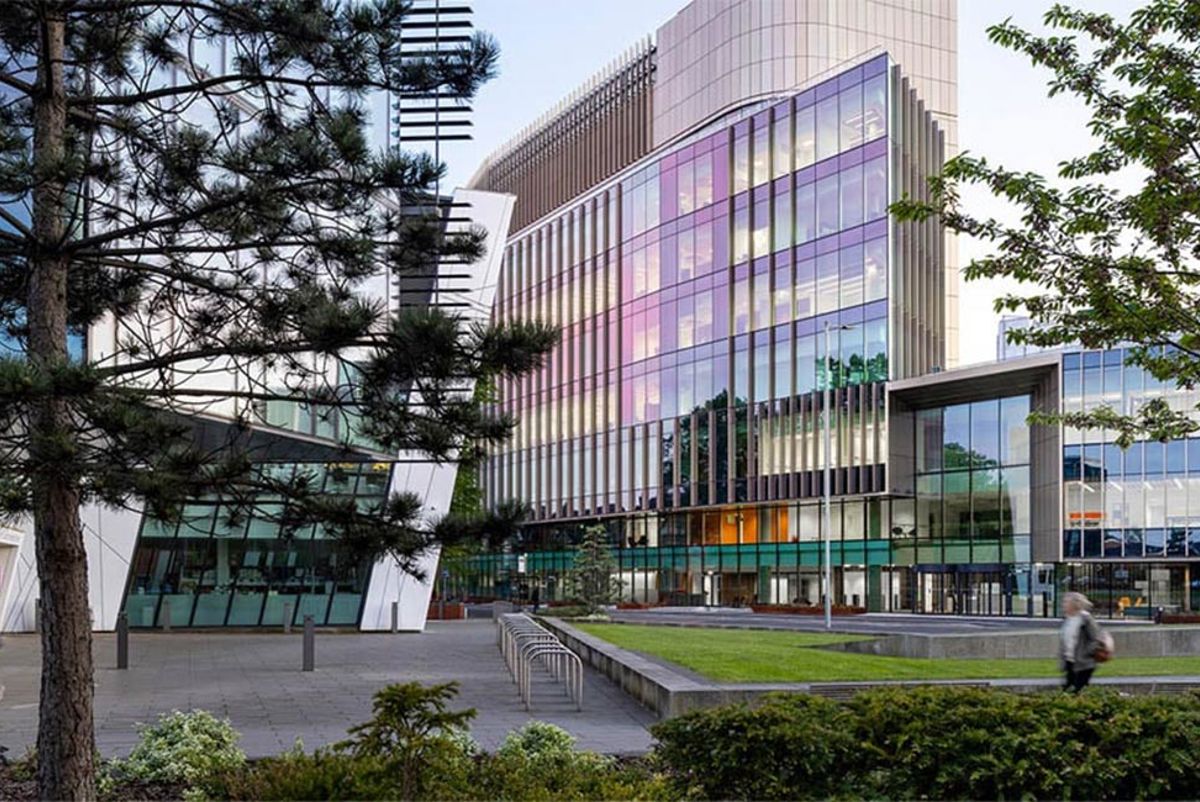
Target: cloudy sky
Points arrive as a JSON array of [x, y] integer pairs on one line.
[[551, 46]]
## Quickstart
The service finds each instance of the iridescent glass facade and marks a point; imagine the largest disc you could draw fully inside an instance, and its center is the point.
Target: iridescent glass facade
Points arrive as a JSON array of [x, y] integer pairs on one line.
[[685, 405]]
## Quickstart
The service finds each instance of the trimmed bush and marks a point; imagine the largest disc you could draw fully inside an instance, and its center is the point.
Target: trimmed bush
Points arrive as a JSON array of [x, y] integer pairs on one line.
[[975, 743], [938, 743], [890, 743], [788, 747]]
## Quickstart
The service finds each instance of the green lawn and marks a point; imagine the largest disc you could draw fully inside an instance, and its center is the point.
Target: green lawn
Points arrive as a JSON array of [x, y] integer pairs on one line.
[[744, 655]]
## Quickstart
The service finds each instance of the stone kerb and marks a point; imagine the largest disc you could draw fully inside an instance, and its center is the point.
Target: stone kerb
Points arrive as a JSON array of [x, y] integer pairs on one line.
[[666, 692]]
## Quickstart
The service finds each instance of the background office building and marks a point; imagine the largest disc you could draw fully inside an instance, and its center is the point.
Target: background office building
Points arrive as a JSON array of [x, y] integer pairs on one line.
[[694, 219]]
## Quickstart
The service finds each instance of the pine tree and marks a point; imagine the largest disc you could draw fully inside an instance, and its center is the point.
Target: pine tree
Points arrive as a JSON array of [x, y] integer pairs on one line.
[[226, 225], [592, 579]]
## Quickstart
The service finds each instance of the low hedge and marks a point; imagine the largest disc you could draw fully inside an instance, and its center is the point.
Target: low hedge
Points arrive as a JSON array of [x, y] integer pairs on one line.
[[938, 743]]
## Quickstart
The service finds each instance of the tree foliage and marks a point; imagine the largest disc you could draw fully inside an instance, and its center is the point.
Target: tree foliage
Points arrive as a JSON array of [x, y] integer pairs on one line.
[[1106, 251], [592, 579], [232, 232], [192, 186]]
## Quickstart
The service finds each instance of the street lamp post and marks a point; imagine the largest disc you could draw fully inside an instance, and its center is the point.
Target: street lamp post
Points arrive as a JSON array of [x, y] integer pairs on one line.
[[826, 479]]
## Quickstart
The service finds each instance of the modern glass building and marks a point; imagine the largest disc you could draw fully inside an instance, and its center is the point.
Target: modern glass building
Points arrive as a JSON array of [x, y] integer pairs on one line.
[[222, 567], [1131, 517], [695, 239]]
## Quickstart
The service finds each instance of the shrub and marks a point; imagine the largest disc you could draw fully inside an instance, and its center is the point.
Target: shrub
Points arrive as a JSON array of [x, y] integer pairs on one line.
[[325, 774], [788, 747], [191, 748], [532, 768], [416, 737], [584, 776], [938, 743], [538, 740], [947, 743], [569, 611]]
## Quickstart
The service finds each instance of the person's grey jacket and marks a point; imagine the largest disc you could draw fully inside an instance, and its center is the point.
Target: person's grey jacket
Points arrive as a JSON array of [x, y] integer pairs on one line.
[[1087, 643]]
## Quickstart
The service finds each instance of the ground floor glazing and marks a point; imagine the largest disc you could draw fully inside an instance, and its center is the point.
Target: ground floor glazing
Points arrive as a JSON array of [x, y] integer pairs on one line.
[[867, 575], [223, 565]]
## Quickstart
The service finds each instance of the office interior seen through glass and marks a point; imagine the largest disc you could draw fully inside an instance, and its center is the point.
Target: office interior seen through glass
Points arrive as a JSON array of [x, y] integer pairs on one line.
[[1131, 517], [218, 567]]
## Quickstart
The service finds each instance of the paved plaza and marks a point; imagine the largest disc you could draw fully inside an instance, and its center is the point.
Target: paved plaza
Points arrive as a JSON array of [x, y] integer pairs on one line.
[[255, 680]]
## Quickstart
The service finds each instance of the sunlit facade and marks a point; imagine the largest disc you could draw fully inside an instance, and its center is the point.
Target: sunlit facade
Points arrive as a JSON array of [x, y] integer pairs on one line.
[[695, 221], [684, 408]]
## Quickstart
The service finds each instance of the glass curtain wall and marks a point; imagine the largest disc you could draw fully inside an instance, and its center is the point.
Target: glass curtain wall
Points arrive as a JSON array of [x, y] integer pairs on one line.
[[971, 544], [218, 567], [692, 295], [1136, 509]]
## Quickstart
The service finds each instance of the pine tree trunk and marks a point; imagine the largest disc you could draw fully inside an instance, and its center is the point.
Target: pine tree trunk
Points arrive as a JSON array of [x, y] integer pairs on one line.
[[65, 746]]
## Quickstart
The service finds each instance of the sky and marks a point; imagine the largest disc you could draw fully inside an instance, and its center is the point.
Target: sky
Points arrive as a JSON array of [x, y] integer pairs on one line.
[[550, 47]]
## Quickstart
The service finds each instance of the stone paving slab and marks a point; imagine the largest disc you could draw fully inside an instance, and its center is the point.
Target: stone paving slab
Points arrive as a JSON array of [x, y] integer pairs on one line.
[[255, 680]]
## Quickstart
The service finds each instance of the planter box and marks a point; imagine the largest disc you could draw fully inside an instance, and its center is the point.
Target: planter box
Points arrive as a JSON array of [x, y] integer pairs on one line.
[[455, 611], [805, 609]]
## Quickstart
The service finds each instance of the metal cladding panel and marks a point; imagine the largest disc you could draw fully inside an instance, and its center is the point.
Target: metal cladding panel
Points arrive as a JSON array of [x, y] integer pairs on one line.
[[109, 537], [434, 483]]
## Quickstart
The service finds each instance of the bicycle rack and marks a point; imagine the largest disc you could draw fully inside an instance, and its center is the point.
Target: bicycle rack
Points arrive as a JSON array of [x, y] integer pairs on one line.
[[524, 642]]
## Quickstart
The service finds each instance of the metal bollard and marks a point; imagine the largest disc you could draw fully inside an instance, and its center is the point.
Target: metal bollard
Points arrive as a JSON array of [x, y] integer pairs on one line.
[[395, 617], [310, 637], [166, 615], [287, 617], [123, 640]]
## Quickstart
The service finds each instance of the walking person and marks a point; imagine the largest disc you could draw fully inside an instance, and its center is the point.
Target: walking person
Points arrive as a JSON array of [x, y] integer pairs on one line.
[[1083, 642]]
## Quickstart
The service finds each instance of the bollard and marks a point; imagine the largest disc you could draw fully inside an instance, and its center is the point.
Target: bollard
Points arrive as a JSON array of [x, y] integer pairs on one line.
[[123, 640], [395, 617], [310, 637], [166, 615], [287, 617]]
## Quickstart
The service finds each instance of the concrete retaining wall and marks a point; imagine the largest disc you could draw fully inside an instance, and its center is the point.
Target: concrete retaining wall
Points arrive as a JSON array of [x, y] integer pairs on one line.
[[1130, 641]]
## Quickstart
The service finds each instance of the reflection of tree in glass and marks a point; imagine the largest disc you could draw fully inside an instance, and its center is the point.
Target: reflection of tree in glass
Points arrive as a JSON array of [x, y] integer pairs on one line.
[[855, 370], [957, 456]]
